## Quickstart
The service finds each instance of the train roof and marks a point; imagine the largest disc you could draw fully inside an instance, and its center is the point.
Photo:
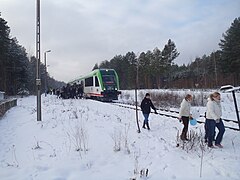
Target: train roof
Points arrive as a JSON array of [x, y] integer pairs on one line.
[[90, 74]]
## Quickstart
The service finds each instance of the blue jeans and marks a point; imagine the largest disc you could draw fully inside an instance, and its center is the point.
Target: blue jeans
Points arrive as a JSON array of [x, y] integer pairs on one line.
[[221, 130], [210, 131], [146, 118]]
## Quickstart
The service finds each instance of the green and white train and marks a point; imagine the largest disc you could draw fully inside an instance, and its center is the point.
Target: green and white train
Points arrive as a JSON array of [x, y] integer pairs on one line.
[[101, 84]]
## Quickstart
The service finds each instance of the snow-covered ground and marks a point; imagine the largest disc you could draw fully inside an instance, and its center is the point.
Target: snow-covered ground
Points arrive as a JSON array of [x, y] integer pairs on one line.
[[171, 99], [85, 139]]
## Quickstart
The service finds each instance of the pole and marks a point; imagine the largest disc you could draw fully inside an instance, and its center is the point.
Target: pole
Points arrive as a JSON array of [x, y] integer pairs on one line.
[[136, 101], [38, 79], [45, 73], [236, 108], [215, 67]]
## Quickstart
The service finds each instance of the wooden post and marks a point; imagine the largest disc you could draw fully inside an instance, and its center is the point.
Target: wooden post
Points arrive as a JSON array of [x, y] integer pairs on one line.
[[236, 107]]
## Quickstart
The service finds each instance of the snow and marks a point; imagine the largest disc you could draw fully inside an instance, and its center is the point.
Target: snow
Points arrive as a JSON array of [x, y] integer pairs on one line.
[[86, 139]]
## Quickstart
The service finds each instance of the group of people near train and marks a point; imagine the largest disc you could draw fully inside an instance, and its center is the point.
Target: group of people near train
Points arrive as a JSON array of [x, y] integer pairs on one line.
[[213, 117], [74, 91]]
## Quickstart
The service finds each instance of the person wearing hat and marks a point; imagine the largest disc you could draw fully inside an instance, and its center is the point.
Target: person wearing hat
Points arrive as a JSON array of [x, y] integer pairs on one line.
[[146, 106]]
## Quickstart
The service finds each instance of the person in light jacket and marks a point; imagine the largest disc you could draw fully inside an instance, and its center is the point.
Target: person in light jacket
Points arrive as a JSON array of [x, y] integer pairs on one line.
[[213, 119], [185, 114]]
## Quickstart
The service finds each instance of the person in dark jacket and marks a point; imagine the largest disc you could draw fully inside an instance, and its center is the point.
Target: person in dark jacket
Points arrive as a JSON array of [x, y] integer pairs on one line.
[[146, 106]]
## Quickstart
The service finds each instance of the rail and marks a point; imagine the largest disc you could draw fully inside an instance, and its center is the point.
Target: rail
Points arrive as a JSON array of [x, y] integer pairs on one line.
[[125, 105]]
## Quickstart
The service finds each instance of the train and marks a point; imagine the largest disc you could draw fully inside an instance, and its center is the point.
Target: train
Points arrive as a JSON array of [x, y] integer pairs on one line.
[[100, 84]]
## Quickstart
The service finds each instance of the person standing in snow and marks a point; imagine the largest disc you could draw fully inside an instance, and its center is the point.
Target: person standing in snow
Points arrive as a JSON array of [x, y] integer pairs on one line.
[[213, 119], [185, 115], [146, 106]]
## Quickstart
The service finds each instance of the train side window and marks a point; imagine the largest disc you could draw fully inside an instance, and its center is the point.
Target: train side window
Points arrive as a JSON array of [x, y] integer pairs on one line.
[[89, 81], [96, 82]]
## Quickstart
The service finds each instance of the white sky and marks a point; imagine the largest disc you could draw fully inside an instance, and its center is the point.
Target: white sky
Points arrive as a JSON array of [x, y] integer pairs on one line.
[[81, 33]]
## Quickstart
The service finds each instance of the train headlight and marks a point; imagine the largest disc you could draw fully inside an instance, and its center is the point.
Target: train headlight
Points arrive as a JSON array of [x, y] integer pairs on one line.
[[115, 88]]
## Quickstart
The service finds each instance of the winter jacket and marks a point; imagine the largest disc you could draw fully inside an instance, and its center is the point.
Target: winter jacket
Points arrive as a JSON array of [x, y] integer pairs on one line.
[[146, 104], [214, 110], [185, 108]]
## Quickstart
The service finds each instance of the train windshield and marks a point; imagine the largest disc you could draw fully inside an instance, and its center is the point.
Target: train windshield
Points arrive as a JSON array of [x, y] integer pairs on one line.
[[109, 79]]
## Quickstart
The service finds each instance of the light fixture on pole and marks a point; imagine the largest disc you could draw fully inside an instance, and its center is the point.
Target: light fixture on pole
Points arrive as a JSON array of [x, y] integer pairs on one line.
[[45, 64]]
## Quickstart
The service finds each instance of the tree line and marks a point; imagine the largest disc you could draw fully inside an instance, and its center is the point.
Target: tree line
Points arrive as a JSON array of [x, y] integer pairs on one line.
[[151, 69], [17, 70], [156, 68]]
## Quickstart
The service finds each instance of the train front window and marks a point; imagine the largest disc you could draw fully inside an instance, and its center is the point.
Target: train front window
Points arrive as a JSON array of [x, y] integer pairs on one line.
[[109, 82], [108, 79]]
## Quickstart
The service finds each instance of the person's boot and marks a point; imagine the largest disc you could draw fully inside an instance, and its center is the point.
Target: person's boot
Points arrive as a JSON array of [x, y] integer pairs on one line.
[[144, 125], [183, 136], [148, 126]]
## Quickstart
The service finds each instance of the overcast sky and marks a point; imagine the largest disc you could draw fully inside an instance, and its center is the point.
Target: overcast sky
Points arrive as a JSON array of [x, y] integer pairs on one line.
[[81, 33]]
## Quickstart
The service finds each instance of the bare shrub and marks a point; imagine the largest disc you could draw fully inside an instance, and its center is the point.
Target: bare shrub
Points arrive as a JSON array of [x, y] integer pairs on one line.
[[84, 137], [117, 138], [168, 98], [118, 118], [139, 172], [141, 95], [196, 144], [37, 146], [14, 162], [193, 143], [79, 138], [136, 163], [126, 96], [144, 173], [75, 115], [233, 145], [125, 138], [203, 149]]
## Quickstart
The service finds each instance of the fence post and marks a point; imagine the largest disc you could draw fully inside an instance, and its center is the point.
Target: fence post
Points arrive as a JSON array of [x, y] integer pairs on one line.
[[236, 107]]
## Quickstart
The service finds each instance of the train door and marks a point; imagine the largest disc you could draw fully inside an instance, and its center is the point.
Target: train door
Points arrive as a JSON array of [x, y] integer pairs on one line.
[[97, 86], [88, 87]]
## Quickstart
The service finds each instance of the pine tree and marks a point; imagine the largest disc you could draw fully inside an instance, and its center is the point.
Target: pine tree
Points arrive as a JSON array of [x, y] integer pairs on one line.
[[17, 73], [230, 46], [95, 67], [169, 53], [4, 42], [132, 69], [17, 67]]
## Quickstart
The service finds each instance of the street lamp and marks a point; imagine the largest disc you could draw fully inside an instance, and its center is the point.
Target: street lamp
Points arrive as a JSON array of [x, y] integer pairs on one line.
[[38, 78], [45, 63]]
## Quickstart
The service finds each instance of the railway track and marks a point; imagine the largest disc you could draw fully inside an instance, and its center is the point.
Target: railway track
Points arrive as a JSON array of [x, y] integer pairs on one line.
[[171, 113]]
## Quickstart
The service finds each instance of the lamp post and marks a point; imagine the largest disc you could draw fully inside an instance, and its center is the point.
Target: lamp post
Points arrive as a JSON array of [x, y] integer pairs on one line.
[[38, 78], [45, 63]]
